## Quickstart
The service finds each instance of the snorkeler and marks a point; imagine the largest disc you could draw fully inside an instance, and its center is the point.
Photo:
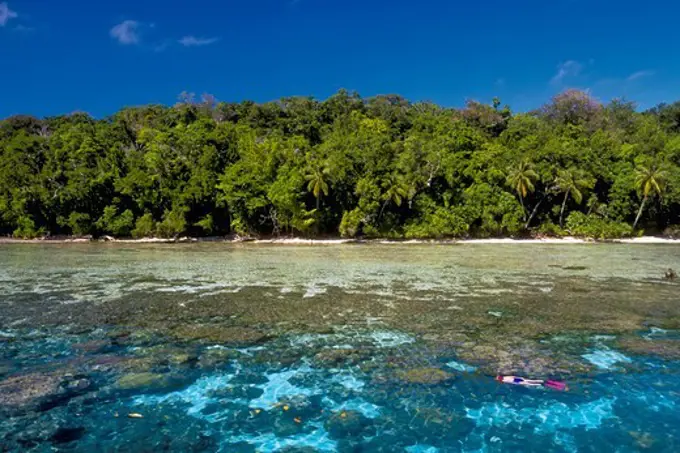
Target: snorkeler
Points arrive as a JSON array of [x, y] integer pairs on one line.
[[516, 380]]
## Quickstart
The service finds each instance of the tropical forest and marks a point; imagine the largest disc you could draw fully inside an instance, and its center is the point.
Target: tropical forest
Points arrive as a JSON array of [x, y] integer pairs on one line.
[[379, 167]]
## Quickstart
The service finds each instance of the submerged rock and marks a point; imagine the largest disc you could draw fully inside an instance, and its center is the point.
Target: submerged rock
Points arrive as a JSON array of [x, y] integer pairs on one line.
[[665, 349], [92, 347], [40, 391], [643, 440], [287, 426], [138, 380], [219, 334], [108, 363], [28, 389], [523, 359], [331, 357], [149, 381], [347, 424], [441, 423], [246, 392], [213, 358], [181, 358], [78, 385], [168, 355], [279, 358], [6, 368], [139, 337], [429, 376]]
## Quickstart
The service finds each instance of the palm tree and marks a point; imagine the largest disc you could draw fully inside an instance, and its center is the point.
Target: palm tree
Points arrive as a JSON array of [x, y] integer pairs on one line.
[[521, 178], [572, 182], [649, 181], [318, 182], [395, 192]]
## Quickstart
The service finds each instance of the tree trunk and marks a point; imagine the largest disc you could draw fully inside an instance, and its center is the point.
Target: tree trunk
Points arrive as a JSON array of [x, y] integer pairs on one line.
[[318, 202], [524, 210], [383, 209], [642, 206], [533, 213], [564, 204]]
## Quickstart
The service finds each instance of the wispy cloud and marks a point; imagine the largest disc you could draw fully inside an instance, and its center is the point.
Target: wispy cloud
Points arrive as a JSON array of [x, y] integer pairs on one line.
[[131, 32], [162, 46], [126, 32], [639, 75], [192, 41], [500, 83], [23, 29], [6, 14], [569, 68]]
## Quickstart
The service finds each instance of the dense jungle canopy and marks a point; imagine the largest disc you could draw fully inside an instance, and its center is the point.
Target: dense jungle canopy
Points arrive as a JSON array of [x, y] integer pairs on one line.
[[377, 167]]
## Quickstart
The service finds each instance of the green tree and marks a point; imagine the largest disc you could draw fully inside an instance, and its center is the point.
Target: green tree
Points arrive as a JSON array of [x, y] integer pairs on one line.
[[395, 191], [572, 182], [144, 227], [521, 178], [118, 225], [317, 182], [650, 180]]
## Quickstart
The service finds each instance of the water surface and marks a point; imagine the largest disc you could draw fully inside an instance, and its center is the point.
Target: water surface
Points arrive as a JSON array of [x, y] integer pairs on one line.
[[218, 347]]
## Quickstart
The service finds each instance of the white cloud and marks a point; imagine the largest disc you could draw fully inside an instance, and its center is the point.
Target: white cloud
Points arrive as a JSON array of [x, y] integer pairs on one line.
[[639, 75], [6, 14], [127, 32], [192, 41], [569, 68]]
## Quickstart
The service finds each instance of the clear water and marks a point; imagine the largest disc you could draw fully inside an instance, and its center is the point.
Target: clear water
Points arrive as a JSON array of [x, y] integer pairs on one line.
[[352, 348]]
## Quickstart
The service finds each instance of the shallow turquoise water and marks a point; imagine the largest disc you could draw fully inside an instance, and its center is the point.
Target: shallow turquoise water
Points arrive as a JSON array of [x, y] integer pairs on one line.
[[315, 383]]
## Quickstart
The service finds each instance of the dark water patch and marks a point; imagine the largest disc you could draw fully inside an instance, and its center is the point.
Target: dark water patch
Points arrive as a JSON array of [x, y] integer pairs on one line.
[[65, 435]]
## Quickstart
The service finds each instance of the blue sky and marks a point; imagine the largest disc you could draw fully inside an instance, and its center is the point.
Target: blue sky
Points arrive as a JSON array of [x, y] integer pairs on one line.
[[97, 56]]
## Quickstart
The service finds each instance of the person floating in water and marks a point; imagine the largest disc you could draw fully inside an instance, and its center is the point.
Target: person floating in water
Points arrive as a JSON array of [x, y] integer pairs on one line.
[[516, 380]]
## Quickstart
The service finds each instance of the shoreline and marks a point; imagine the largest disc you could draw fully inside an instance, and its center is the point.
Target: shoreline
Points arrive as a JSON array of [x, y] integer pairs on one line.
[[340, 241]]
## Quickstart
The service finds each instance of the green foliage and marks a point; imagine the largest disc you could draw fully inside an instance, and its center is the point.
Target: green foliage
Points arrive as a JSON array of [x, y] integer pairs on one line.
[[649, 180], [572, 182], [80, 223], [144, 227], [206, 224], [118, 225], [550, 229], [351, 222], [436, 221], [521, 179], [491, 211], [350, 166], [239, 226], [26, 229], [582, 225], [174, 223], [441, 223]]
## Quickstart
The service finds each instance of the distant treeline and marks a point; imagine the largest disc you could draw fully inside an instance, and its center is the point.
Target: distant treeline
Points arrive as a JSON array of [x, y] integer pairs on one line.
[[344, 166]]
